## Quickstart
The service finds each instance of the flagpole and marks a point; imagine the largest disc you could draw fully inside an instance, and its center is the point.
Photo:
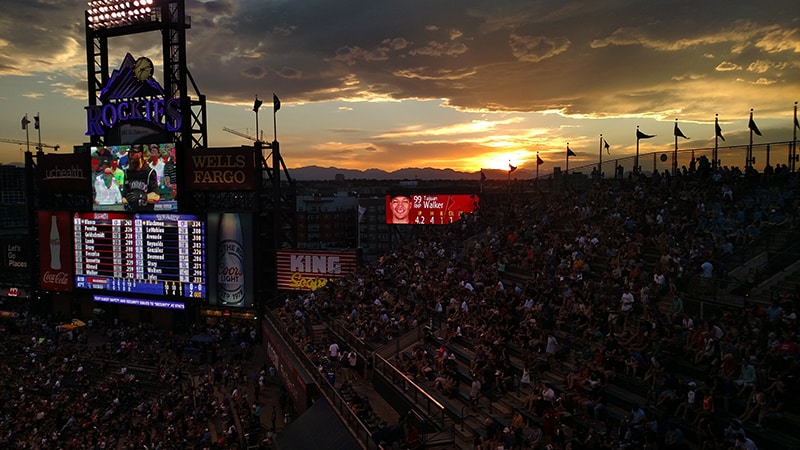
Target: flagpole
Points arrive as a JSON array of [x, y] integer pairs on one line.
[[747, 164], [537, 168], [600, 161], [39, 131], [27, 134], [255, 108], [794, 139], [508, 187], [675, 153], [567, 158], [715, 154], [275, 116], [636, 158]]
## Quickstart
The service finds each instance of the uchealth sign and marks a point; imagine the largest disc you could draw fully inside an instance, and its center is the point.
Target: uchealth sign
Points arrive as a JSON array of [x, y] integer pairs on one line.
[[65, 172], [309, 270], [221, 169]]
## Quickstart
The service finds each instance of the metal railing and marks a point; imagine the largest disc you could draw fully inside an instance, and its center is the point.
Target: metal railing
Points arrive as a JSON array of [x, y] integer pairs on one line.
[[434, 409], [357, 427], [773, 153]]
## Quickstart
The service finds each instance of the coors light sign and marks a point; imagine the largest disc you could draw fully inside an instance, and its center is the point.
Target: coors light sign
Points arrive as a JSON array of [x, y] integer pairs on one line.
[[230, 253]]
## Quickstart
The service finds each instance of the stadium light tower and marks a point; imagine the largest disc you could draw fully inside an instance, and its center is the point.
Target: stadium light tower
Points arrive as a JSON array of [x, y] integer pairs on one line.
[[104, 14], [106, 19]]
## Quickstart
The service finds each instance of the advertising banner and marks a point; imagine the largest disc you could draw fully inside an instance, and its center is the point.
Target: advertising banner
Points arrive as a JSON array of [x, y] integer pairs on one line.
[[230, 253], [309, 270], [68, 172], [55, 250], [221, 169], [15, 253]]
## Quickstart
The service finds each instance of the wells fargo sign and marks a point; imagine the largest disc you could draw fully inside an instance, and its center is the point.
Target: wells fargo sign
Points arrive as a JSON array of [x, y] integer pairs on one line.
[[309, 270], [221, 169]]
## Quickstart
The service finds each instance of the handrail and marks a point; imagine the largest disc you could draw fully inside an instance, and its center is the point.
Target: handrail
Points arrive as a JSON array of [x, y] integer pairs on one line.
[[361, 432], [412, 383], [422, 399]]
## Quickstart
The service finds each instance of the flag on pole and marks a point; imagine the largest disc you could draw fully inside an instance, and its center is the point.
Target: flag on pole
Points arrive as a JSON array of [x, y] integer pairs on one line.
[[257, 104], [36, 121], [511, 168], [718, 131], [539, 161], [678, 132], [606, 146], [796, 123], [25, 122], [483, 176], [753, 127], [640, 135], [276, 103], [570, 152]]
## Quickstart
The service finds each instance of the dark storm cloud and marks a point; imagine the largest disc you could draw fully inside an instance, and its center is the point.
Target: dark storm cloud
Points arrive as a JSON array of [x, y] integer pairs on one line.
[[31, 40], [584, 58]]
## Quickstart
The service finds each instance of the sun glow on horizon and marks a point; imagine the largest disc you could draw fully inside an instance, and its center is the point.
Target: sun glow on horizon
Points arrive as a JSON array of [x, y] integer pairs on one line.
[[499, 160]]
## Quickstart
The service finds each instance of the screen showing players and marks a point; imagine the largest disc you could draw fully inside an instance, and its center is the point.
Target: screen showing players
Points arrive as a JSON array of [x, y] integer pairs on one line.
[[135, 178], [428, 209]]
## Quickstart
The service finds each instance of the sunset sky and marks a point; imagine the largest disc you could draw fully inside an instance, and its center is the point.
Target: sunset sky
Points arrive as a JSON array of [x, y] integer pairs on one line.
[[461, 84]]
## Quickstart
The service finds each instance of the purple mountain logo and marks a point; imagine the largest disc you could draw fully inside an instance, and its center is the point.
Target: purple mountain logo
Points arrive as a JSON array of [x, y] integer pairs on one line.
[[123, 85]]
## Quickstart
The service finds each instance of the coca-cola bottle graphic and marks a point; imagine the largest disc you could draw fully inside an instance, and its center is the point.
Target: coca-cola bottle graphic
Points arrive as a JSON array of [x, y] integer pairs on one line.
[[230, 254], [55, 244]]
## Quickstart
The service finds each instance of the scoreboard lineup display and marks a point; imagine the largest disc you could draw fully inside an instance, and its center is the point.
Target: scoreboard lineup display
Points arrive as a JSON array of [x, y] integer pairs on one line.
[[155, 254]]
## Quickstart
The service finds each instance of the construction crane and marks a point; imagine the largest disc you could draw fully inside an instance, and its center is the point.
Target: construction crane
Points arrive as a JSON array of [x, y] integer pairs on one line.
[[26, 143], [240, 134]]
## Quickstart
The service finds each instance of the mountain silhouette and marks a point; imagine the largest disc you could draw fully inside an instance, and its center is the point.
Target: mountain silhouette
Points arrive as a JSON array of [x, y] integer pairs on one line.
[[317, 173]]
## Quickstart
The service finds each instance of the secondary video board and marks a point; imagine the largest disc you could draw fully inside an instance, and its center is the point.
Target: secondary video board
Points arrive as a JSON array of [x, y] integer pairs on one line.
[[428, 209]]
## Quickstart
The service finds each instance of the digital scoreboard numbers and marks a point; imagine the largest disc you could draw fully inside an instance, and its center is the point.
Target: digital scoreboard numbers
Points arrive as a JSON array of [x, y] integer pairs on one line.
[[155, 254]]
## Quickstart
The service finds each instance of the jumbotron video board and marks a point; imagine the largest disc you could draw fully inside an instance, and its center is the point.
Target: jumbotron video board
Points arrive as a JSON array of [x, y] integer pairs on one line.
[[135, 178], [152, 254], [428, 209]]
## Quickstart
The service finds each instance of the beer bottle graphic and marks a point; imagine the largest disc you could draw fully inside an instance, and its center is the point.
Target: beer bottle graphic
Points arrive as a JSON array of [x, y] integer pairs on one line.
[[55, 244], [230, 254]]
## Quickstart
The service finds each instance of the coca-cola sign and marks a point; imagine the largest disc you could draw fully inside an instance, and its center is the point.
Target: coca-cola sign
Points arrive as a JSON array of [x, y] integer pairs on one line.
[[55, 250], [57, 278]]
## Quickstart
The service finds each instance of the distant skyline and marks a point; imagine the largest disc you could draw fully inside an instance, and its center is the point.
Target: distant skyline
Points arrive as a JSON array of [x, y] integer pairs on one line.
[[460, 84]]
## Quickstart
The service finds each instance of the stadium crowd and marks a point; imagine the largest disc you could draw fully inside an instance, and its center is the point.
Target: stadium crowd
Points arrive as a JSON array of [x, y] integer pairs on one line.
[[599, 275], [602, 273], [124, 387]]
